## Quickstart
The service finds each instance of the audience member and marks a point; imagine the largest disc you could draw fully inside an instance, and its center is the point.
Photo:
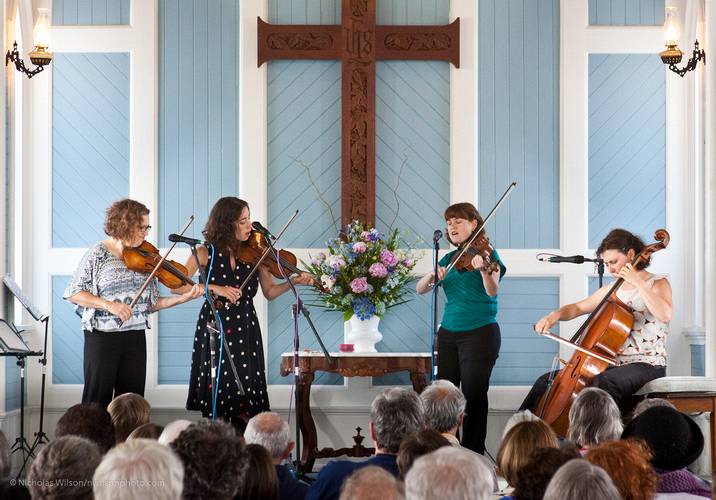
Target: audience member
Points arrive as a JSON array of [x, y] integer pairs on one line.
[[520, 416], [215, 460], [5, 457], [139, 469], [578, 479], [147, 431], [647, 403], [128, 411], [517, 445], [172, 430], [444, 406], [269, 430], [593, 418], [416, 445], [394, 414], [89, 421], [675, 441], [627, 463], [371, 483], [64, 469], [261, 481], [535, 475], [9, 490], [448, 474]]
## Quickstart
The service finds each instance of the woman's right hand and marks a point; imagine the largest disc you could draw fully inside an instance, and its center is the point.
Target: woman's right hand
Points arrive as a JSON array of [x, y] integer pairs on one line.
[[119, 309], [545, 323], [231, 293], [441, 273]]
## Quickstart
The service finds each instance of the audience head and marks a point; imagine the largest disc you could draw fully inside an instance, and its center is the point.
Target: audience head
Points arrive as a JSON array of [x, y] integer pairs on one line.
[[172, 430], [147, 431], [371, 483], [416, 445], [139, 469], [269, 430], [5, 457], [64, 469], [215, 460], [520, 416], [444, 406], [89, 421], [627, 463], [261, 482], [449, 473], [580, 479], [519, 442], [394, 414], [647, 403], [128, 411], [594, 418], [675, 440], [543, 463]]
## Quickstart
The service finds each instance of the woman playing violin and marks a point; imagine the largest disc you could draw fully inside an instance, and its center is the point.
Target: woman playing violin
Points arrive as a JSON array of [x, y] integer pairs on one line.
[[228, 228], [469, 336], [642, 357], [115, 353]]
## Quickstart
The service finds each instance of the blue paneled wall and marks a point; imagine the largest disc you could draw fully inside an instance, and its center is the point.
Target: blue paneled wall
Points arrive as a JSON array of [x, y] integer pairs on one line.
[[67, 337], [626, 12], [627, 144], [90, 143], [12, 384], [518, 120], [69, 12]]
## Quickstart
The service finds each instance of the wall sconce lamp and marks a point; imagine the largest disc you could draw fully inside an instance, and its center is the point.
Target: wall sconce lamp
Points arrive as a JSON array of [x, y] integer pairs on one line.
[[40, 57], [672, 55]]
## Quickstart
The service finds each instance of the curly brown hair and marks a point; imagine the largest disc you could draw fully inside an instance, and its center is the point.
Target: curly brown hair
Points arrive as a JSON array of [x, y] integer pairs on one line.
[[623, 241], [534, 476], [627, 463], [122, 217], [219, 229]]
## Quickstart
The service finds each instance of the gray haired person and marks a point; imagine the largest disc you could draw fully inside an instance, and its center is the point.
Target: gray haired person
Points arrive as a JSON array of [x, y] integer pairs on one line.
[[594, 418], [372, 483], [583, 480], [444, 406], [139, 469], [448, 474], [64, 469]]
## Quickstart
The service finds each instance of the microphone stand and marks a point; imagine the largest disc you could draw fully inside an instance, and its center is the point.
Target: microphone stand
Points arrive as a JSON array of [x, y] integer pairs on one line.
[[436, 286]]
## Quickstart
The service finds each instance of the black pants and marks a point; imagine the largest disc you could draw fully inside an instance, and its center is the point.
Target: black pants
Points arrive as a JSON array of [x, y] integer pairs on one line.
[[619, 381], [115, 363], [467, 359]]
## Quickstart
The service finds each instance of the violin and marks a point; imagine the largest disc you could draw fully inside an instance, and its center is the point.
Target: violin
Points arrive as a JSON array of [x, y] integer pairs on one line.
[[145, 257], [477, 244]]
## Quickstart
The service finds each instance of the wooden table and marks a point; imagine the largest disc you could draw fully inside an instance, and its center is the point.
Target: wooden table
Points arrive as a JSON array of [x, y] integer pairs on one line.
[[347, 365]]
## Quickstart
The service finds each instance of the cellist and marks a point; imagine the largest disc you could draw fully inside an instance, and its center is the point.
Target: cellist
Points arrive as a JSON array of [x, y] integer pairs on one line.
[[642, 357]]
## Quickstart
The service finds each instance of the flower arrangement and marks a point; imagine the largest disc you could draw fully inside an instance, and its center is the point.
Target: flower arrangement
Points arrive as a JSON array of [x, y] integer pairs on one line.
[[365, 273]]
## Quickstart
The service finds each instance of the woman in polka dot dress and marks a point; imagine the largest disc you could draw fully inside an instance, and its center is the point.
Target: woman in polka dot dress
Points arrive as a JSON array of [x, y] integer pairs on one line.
[[228, 226]]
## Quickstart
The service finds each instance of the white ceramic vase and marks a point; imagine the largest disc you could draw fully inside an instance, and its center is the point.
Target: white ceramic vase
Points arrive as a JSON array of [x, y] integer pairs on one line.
[[363, 334]]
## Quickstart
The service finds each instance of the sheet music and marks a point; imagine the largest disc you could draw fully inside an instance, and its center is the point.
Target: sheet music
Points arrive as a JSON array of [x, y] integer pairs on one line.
[[24, 300], [10, 339]]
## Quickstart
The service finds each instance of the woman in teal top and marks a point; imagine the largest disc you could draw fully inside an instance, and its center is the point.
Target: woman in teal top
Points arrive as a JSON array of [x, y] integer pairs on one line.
[[469, 336]]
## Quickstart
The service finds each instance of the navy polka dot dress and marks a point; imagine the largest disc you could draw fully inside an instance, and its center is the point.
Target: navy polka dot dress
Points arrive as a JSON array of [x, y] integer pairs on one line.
[[241, 329]]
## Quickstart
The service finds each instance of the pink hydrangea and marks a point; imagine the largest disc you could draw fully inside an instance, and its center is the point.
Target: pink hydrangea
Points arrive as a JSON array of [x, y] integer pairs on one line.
[[337, 262], [365, 235], [378, 270], [359, 247], [388, 258], [359, 285], [408, 262]]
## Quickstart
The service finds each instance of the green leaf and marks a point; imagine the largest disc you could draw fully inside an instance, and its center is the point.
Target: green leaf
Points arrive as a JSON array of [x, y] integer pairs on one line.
[[347, 315]]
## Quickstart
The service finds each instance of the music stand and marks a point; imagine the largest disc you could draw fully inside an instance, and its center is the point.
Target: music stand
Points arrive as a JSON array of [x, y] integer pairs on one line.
[[27, 304]]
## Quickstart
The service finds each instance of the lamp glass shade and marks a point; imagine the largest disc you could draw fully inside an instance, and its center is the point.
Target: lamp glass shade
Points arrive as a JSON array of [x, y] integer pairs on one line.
[[41, 32], [671, 27]]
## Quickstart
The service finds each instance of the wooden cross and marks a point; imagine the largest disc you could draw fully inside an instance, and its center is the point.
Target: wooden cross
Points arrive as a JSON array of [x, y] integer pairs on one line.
[[358, 42]]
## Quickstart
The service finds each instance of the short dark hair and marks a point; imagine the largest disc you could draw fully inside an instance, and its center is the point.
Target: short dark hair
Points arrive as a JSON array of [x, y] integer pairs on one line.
[[122, 217], [89, 421], [262, 483], [215, 460], [416, 445], [623, 241], [534, 476], [147, 431]]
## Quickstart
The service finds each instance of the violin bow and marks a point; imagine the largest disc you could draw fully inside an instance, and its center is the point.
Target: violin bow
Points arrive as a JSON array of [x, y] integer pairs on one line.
[[467, 244], [161, 261]]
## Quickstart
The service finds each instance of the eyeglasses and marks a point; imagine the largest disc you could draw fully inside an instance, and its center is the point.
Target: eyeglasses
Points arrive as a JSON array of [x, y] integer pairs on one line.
[[145, 229]]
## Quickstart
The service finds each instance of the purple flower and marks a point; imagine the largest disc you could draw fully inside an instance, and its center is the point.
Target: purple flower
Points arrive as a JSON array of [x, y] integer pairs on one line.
[[365, 235], [408, 262], [337, 262], [359, 285], [378, 270], [321, 256], [388, 258], [359, 247]]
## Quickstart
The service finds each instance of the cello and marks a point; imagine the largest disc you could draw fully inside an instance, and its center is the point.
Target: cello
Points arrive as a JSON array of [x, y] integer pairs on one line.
[[597, 343]]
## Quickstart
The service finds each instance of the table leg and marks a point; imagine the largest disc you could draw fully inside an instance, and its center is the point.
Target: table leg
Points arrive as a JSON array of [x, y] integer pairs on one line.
[[306, 423], [418, 380]]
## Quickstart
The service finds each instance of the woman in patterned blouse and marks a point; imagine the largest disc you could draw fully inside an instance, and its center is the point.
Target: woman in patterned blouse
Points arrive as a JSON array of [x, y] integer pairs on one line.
[[642, 357], [115, 353]]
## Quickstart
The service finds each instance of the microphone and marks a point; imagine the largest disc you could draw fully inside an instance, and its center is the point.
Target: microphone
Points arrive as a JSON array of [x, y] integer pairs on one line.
[[178, 238], [261, 229], [437, 235], [573, 259]]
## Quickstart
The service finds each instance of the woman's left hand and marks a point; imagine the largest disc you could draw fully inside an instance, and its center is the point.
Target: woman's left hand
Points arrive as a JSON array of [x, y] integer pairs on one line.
[[194, 292], [302, 279], [631, 275], [478, 262]]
